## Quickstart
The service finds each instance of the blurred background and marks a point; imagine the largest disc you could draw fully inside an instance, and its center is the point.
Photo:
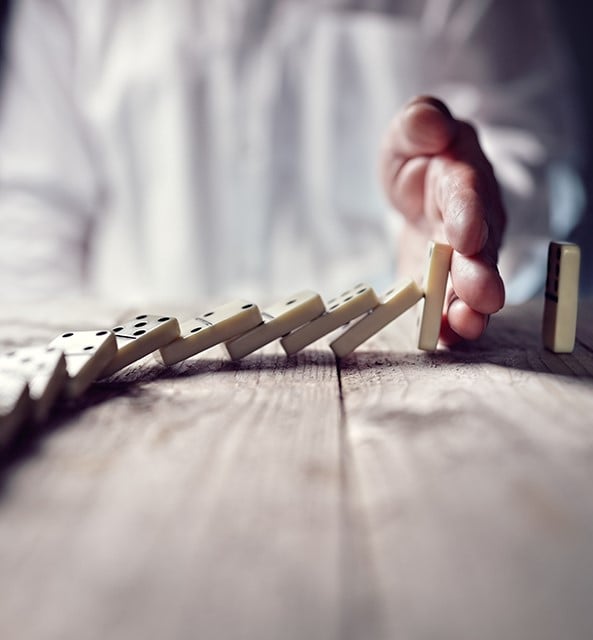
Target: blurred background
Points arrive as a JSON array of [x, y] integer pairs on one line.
[[574, 19]]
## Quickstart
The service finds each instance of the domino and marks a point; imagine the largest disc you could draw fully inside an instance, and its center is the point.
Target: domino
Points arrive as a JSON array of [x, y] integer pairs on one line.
[[278, 320], [349, 305], [87, 354], [562, 297], [211, 328], [139, 337], [435, 286], [44, 368], [395, 302], [15, 405]]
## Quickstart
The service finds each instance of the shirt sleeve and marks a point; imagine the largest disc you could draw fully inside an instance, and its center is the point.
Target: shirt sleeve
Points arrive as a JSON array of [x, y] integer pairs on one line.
[[48, 182], [502, 65]]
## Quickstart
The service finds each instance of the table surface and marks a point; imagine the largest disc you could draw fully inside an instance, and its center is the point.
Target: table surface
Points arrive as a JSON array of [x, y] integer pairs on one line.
[[395, 495]]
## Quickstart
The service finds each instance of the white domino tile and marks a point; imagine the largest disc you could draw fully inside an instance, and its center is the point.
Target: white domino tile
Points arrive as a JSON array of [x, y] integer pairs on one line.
[[139, 337], [44, 369], [212, 328], [280, 319], [562, 297], [435, 287], [394, 303], [87, 354], [346, 307]]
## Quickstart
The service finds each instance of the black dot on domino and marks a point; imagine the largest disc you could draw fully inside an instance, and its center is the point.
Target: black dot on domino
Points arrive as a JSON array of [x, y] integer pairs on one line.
[[140, 332], [290, 302], [247, 306], [140, 324], [101, 333], [348, 298], [334, 306], [67, 335], [361, 290], [164, 319], [195, 330], [118, 329], [89, 348], [206, 315], [142, 317]]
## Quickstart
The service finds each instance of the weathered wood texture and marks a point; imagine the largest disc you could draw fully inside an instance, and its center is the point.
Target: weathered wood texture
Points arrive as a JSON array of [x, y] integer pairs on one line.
[[397, 495], [472, 472]]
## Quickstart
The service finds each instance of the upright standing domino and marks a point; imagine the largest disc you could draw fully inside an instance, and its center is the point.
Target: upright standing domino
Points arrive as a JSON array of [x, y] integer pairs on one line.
[[15, 405], [349, 305], [435, 286], [139, 337], [280, 319], [395, 302], [87, 354], [211, 328], [44, 368], [562, 297]]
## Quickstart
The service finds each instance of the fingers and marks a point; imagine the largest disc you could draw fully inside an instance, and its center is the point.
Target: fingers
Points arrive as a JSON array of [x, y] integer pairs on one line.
[[436, 174], [477, 282], [421, 130], [463, 193], [477, 291], [462, 323]]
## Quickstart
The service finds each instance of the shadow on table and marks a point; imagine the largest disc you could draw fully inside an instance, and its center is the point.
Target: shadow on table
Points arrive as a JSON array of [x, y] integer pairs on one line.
[[135, 383], [511, 341]]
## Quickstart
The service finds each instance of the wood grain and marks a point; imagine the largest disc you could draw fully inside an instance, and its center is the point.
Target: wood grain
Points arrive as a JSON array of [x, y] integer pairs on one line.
[[397, 495], [471, 469], [198, 501]]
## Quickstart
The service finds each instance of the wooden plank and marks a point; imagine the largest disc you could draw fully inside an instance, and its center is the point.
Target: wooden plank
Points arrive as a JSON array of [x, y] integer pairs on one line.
[[197, 501], [440, 496], [472, 471]]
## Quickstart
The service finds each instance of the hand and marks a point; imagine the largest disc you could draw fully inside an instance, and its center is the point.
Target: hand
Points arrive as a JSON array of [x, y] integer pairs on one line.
[[435, 173]]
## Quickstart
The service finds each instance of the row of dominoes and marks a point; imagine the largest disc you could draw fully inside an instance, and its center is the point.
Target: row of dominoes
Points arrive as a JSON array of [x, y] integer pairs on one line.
[[32, 378]]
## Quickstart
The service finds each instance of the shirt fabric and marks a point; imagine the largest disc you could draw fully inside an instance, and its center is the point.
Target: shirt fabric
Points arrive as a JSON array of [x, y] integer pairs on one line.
[[181, 149]]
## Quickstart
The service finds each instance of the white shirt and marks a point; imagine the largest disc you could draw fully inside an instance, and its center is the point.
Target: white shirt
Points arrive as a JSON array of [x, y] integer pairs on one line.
[[175, 149]]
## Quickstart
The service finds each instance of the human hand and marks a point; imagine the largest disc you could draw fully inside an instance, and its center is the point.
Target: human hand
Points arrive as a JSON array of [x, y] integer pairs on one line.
[[435, 173]]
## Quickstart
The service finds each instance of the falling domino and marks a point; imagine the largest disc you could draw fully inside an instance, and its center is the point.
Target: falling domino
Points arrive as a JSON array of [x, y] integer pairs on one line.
[[139, 337], [280, 319], [212, 328], [87, 354], [435, 285], [562, 297], [395, 302], [349, 305], [45, 371]]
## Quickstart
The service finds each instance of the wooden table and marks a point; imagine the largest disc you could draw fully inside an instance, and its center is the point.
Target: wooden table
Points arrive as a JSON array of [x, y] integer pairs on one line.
[[398, 495]]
